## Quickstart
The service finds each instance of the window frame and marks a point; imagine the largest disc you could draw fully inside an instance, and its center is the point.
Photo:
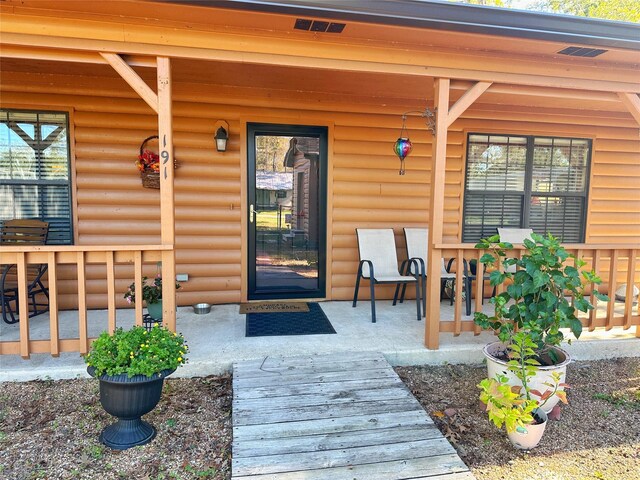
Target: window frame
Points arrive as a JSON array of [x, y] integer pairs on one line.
[[528, 192], [71, 181]]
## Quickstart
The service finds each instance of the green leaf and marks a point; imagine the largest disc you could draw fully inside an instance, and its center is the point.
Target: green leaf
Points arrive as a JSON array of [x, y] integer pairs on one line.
[[496, 278], [488, 259], [601, 296]]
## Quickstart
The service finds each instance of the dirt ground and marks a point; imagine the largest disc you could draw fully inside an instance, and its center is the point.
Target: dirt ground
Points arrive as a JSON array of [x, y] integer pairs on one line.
[[49, 429], [597, 435]]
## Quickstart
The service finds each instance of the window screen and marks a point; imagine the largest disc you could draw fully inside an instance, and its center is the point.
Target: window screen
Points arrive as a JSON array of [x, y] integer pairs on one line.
[[526, 182], [34, 170]]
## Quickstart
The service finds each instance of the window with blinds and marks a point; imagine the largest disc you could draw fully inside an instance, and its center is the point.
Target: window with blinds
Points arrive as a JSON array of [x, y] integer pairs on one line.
[[526, 182], [34, 170]]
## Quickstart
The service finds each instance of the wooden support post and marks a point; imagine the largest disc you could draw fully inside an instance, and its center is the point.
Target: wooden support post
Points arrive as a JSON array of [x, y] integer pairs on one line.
[[632, 102], [436, 212], [167, 198]]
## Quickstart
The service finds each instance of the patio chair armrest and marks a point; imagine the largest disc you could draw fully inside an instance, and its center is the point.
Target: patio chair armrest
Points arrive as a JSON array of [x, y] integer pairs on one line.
[[368, 262], [5, 271], [421, 268], [465, 266]]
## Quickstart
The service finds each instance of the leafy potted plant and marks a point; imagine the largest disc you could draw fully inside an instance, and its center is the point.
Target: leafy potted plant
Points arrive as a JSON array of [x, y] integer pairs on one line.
[[536, 302], [516, 407], [151, 294], [131, 366]]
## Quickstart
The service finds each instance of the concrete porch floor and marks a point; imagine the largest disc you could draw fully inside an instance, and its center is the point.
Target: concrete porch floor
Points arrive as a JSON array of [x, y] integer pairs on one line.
[[217, 340]]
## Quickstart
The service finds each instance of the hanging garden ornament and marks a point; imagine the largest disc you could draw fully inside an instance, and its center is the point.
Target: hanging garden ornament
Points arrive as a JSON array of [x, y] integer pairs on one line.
[[403, 146]]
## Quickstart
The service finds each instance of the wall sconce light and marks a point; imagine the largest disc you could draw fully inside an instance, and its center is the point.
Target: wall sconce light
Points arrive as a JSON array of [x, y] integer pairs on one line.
[[222, 135], [402, 148]]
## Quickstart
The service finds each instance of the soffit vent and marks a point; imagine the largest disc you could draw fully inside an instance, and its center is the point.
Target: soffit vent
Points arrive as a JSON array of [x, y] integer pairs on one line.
[[582, 52], [318, 26]]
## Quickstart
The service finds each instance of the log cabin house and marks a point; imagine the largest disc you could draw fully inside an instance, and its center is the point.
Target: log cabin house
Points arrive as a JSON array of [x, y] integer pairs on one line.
[[516, 119]]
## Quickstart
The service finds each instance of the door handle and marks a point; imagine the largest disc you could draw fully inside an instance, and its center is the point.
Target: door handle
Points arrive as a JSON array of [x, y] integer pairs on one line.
[[252, 214]]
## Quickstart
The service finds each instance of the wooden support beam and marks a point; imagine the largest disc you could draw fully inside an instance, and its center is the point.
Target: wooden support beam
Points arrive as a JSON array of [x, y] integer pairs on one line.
[[436, 212], [466, 100], [167, 197], [632, 102], [129, 75]]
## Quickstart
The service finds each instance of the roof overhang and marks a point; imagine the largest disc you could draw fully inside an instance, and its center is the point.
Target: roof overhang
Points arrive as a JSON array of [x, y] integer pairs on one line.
[[450, 16]]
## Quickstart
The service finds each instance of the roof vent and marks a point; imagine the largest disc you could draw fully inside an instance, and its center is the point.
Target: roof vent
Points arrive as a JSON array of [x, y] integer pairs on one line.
[[318, 26], [582, 52]]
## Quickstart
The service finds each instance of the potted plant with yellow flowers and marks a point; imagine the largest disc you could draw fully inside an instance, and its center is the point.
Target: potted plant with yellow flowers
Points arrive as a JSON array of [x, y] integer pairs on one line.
[[131, 366]]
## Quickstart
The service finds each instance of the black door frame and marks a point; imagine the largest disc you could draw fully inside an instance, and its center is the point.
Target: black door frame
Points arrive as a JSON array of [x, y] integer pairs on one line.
[[254, 129]]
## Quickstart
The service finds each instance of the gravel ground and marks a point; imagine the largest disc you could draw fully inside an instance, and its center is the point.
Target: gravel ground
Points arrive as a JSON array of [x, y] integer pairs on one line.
[[49, 429], [597, 436]]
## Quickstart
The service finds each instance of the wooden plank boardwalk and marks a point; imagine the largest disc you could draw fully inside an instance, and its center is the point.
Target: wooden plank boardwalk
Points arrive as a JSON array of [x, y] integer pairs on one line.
[[333, 417]]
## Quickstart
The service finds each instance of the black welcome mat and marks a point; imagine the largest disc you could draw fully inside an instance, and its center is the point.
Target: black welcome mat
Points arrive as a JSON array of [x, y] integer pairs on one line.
[[313, 322]]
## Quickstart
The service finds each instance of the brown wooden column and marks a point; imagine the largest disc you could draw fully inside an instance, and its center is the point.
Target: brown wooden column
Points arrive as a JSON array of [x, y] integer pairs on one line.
[[436, 212], [167, 198]]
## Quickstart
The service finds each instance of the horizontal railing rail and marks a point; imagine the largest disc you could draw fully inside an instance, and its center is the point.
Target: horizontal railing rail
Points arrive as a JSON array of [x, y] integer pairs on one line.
[[54, 256], [615, 264]]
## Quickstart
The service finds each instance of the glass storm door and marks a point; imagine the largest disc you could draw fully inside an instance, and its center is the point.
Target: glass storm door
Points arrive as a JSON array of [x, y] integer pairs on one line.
[[287, 211]]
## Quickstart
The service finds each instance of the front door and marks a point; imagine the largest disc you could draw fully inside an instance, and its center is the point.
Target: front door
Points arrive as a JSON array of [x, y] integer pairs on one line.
[[287, 188]]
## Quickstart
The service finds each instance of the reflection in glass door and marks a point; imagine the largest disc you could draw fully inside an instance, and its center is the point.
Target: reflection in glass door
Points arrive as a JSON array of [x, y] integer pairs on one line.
[[287, 214]]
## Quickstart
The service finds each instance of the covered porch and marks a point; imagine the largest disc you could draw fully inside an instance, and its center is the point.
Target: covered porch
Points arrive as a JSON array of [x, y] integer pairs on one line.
[[216, 340], [178, 86]]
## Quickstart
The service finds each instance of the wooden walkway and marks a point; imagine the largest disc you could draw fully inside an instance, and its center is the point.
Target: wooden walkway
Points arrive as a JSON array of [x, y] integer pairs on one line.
[[333, 417]]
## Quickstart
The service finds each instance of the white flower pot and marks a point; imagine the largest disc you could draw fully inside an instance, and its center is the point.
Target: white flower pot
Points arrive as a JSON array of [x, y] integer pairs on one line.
[[495, 366], [528, 439]]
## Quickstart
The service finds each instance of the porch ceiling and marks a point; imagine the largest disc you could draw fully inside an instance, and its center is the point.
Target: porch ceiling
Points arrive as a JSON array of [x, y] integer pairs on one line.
[[281, 82], [225, 17]]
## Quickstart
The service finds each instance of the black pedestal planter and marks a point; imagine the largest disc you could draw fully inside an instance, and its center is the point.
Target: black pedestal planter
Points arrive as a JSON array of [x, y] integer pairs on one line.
[[129, 399]]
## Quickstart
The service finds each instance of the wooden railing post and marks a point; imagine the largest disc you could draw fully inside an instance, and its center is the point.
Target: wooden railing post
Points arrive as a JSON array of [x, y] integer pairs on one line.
[[111, 292], [167, 198], [436, 212], [54, 331], [23, 305], [139, 287], [83, 335]]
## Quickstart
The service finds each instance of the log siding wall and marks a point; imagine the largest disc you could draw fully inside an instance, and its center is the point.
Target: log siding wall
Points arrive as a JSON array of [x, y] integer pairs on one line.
[[113, 208]]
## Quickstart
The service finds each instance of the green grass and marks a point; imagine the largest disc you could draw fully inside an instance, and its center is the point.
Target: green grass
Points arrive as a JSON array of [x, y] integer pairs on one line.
[[268, 219]]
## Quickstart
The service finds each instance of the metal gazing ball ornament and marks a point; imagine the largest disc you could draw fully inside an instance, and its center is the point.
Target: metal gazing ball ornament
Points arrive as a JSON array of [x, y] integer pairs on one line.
[[403, 146]]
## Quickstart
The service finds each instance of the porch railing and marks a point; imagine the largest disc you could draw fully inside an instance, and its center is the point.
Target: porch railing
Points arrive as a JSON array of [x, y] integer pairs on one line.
[[615, 264], [80, 256]]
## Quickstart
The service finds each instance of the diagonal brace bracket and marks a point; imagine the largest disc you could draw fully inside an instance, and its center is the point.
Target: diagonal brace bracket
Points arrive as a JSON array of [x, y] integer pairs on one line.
[[129, 75], [466, 100]]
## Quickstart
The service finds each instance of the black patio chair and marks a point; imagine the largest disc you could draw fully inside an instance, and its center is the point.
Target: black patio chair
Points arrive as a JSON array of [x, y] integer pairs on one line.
[[21, 232]]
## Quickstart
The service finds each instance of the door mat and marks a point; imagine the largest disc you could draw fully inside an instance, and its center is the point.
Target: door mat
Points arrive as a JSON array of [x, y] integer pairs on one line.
[[313, 322], [273, 307]]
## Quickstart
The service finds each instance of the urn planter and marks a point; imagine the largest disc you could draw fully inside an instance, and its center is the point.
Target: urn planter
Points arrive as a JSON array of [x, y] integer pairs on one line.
[[129, 399], [495, 366]]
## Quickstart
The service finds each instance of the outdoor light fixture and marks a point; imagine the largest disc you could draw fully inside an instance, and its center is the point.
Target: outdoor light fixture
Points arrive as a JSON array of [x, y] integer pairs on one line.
[[222, 135], [402, 147]]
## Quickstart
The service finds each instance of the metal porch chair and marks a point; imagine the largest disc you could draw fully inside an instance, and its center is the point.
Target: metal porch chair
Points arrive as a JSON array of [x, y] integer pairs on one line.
[[21, 232], [514, 236], [418, 250], [379, 265]]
